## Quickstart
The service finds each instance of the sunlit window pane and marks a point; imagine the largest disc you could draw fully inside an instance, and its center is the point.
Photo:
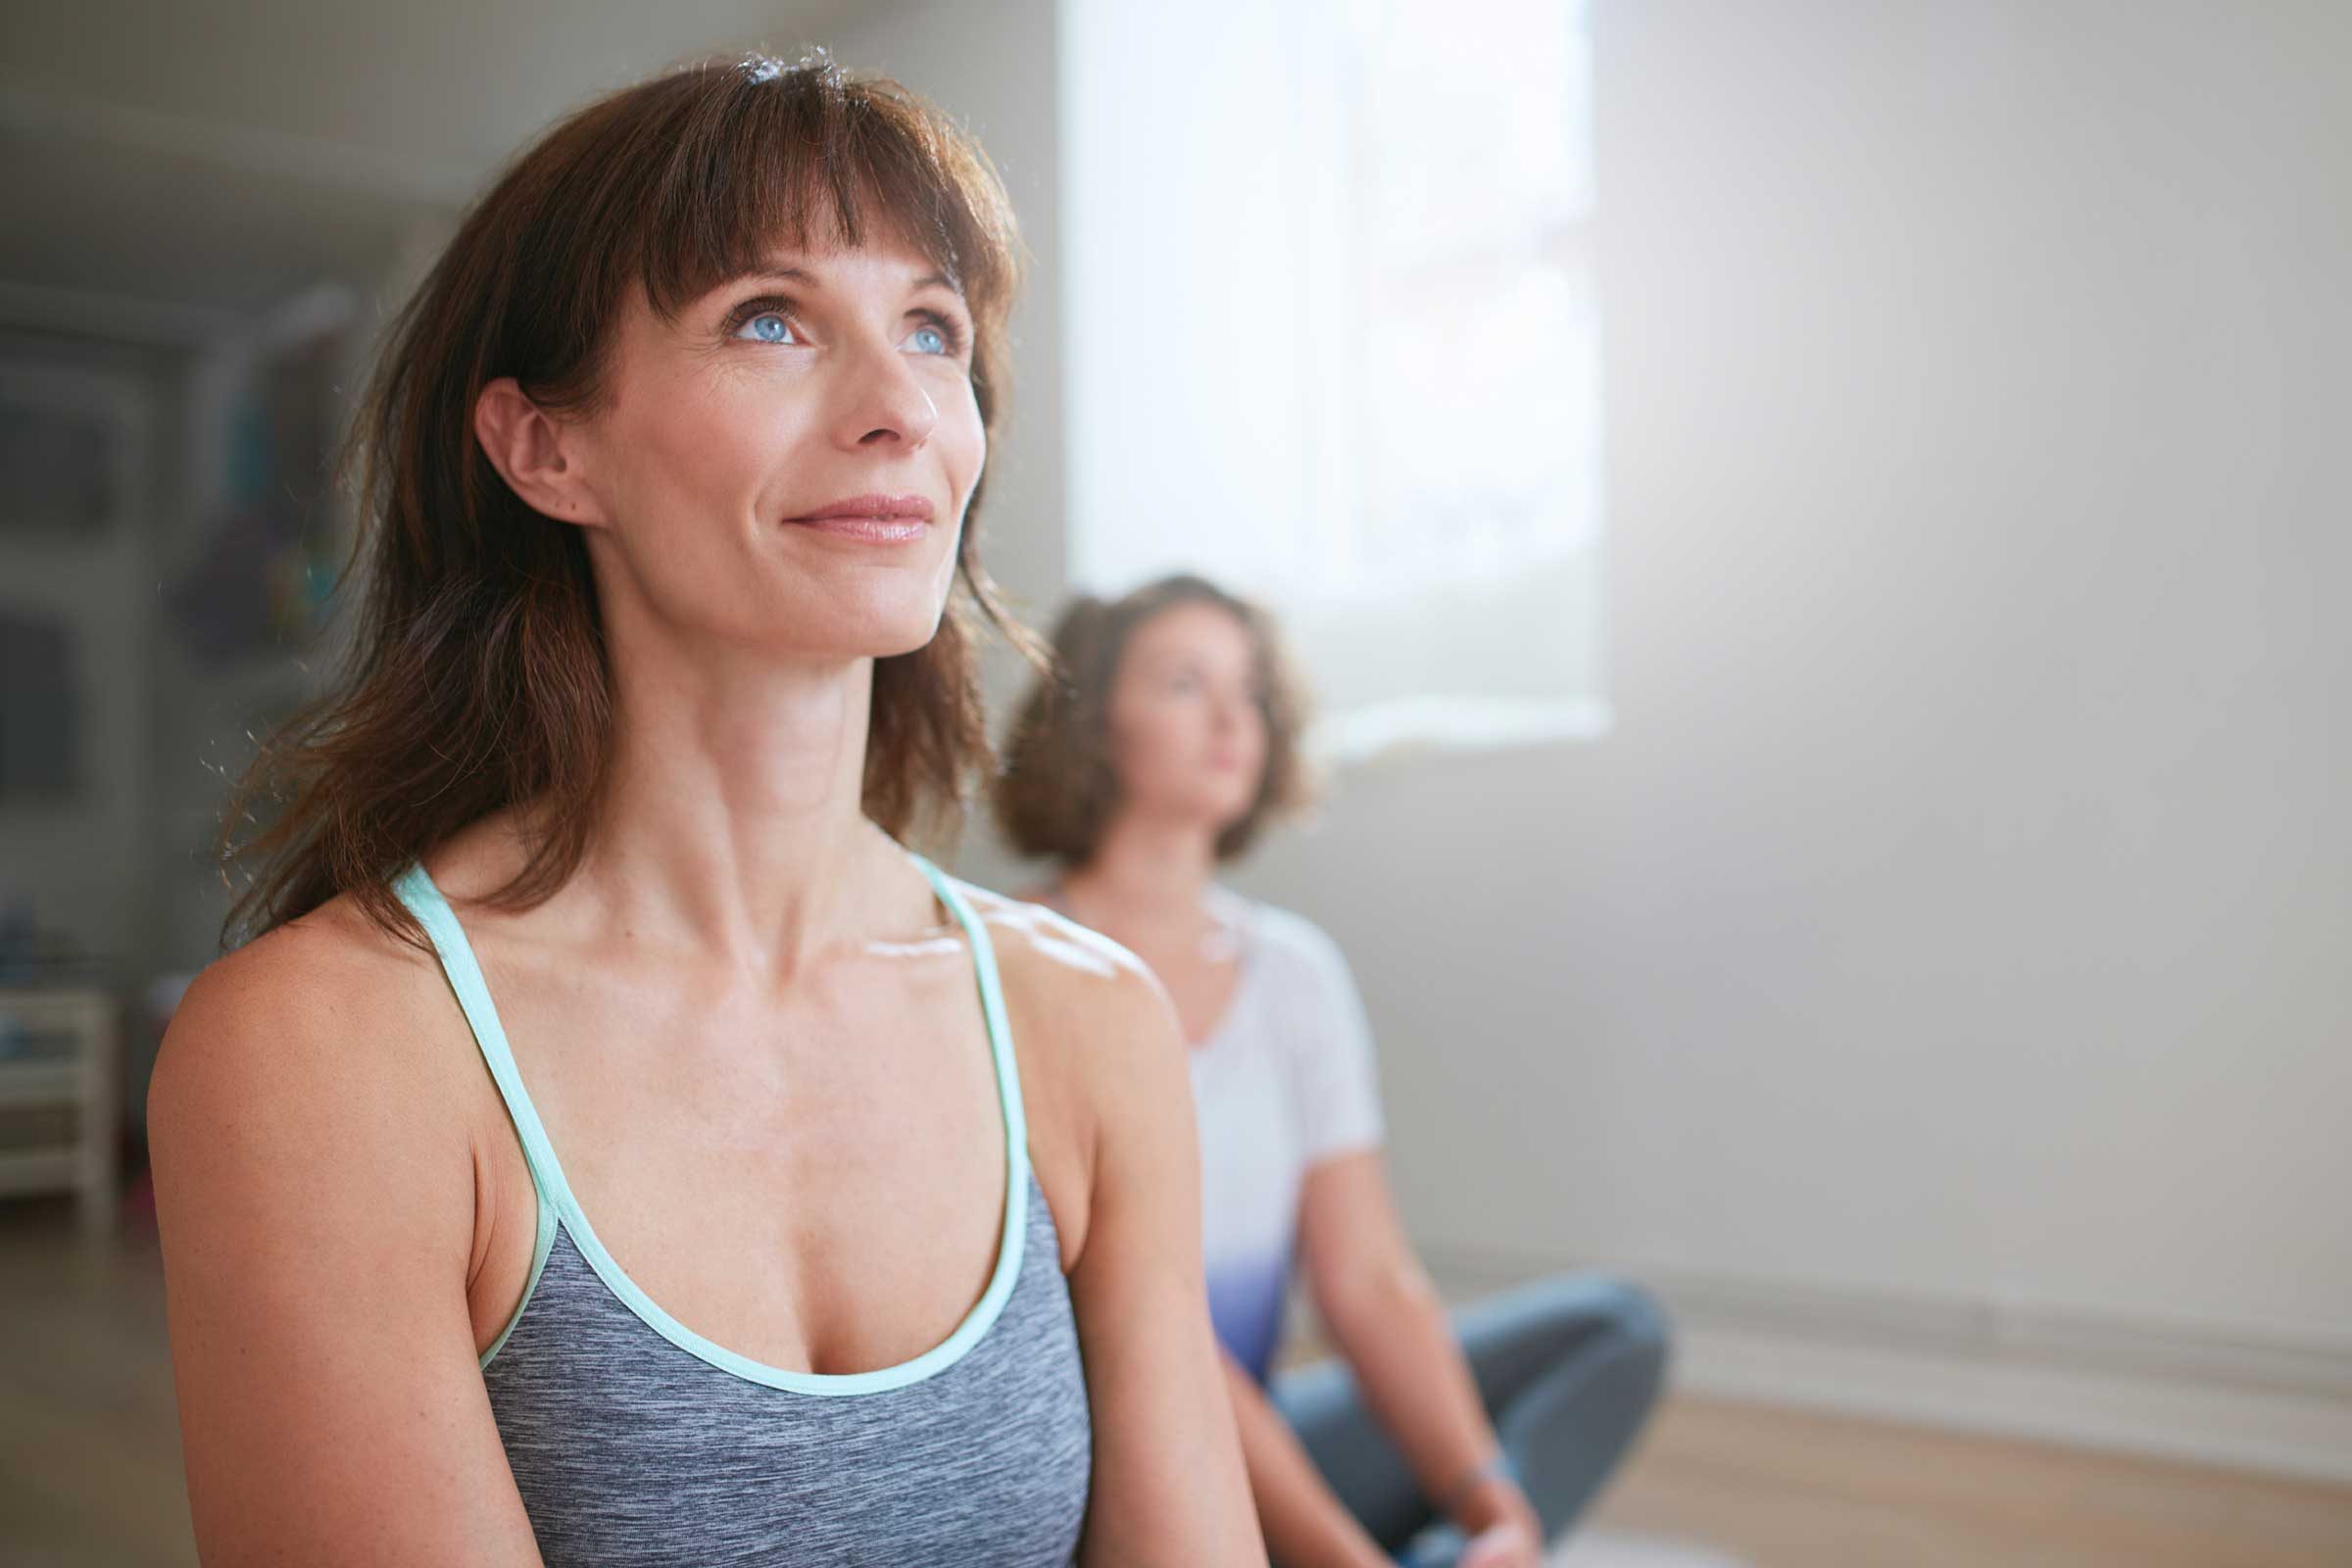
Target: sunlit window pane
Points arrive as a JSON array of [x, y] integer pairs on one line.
[[1335, 340]]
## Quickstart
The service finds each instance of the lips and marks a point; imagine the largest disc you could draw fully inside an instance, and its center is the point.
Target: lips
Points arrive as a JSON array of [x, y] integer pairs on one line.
[[915, 508], [875, 518]]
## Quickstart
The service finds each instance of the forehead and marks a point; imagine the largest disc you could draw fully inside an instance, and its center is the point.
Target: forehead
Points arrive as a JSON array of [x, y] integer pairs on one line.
[[1195, 630], [881, 260]]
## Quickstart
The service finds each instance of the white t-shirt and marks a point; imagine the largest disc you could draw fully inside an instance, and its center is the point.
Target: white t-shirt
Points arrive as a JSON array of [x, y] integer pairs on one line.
[[1285, 1081]]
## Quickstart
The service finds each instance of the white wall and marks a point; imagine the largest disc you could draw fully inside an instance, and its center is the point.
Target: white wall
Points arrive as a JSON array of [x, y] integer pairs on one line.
[[1960, 910], [1948, 946], [1965, 900]]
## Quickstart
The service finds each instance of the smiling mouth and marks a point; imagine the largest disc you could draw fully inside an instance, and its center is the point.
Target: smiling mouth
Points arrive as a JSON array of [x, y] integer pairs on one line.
[[873, 520], [884, 530]]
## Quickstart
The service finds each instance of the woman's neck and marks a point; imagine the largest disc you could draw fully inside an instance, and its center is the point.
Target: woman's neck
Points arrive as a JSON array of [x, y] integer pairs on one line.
[[1148, 878], [733, 814]]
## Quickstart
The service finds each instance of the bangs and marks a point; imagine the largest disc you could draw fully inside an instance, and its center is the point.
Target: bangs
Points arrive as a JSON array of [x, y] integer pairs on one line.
[[477, 676], [761, 153]]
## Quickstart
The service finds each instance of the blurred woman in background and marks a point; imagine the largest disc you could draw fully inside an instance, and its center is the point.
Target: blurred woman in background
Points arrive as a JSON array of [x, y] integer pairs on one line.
[[669, 642], [1168, 741]]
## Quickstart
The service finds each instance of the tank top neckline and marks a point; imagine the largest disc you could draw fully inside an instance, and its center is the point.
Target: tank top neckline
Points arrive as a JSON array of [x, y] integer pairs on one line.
[[559, 1205]]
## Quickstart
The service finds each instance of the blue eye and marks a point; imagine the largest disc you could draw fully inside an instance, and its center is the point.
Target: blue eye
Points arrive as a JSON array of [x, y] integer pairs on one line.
[[928, 340], [767, 327]]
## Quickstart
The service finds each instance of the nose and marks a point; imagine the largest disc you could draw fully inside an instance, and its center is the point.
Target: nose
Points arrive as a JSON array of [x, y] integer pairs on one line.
[[883, 404], [1230, 711]]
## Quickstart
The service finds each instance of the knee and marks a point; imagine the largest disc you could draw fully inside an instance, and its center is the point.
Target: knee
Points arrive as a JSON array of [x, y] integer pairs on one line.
[[1636, 1314], [1627, 1317], [1631, 1343]]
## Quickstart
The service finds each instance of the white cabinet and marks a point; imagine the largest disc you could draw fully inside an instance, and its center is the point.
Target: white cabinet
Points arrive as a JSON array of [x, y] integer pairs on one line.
[[58, 1054]]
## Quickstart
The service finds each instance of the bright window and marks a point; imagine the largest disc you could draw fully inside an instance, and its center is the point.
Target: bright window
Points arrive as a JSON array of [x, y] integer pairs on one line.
[[1333, 340]]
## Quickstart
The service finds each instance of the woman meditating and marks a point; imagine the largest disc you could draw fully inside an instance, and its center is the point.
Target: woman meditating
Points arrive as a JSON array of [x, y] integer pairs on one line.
[[1164, 744]]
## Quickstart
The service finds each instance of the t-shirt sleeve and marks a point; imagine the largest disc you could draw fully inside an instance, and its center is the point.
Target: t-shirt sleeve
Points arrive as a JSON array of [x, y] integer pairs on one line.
[[1337, 1083]]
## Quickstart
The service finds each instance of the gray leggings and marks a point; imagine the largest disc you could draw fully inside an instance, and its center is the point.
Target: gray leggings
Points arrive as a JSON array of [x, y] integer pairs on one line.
[[1568, 1368]]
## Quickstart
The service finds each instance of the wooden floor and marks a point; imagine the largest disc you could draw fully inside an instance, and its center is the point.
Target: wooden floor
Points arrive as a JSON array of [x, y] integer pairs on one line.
[[89, 1438], [1773, 1487], [89, 1462]]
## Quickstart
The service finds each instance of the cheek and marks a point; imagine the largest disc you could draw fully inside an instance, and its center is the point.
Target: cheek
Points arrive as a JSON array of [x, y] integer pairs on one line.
[[702, 440], [1251, 742], [1144, 735], [962, 442]]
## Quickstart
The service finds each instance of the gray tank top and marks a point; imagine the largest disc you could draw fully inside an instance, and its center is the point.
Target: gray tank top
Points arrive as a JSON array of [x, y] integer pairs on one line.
[[635, 1440]]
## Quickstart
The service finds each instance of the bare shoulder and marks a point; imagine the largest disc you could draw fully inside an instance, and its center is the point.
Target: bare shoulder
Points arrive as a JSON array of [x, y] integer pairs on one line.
[[326, 1035], [1082, 994], [315, 1193], [1103, 1062], [323, 985], [1106, 1082]]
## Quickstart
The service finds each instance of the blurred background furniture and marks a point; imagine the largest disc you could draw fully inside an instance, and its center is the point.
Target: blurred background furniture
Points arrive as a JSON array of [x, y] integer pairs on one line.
[[58, 1055]]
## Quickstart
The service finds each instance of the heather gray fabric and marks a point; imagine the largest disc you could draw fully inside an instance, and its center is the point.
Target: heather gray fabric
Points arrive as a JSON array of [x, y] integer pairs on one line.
[[630, 1450], [634, 1441]]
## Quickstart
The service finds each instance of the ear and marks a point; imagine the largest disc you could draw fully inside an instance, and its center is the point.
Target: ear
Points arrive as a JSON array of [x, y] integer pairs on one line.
[[534, 452]]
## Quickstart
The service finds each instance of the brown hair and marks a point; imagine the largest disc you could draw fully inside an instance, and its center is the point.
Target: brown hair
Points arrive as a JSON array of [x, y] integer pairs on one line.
[[1057, 791], [476, 678]]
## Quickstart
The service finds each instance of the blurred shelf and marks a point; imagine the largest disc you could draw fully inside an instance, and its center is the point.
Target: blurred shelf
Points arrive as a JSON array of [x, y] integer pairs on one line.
[[39, 1083], [40, 1170], [62, 1046]]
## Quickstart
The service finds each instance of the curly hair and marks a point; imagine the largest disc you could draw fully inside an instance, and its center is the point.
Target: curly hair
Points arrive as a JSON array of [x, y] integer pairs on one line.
[[1057, 791]]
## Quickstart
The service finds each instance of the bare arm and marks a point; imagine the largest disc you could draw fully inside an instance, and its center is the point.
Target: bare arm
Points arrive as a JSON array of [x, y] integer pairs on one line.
[[1305, 1525], [1390, 1324], [316, 1198], [1168, 1483]]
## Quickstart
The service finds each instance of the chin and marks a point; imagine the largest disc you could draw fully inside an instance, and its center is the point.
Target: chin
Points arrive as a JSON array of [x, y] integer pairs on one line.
[[1224, 805], [874, 624], [907, 631], [896, 648]]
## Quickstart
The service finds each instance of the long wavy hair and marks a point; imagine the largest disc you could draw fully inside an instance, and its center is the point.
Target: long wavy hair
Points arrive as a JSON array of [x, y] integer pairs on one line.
[[476, 677]]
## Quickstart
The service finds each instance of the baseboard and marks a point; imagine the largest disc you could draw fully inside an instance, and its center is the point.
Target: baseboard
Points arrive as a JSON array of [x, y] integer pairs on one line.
[[2243, 1396]]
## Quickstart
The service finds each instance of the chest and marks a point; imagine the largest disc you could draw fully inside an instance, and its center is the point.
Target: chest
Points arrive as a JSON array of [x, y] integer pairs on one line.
[[1201, 978], [816, 1181]]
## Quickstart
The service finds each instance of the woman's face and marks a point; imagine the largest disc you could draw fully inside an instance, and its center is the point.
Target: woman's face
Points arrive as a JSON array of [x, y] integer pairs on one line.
[[785, 465], [1188, 730]]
